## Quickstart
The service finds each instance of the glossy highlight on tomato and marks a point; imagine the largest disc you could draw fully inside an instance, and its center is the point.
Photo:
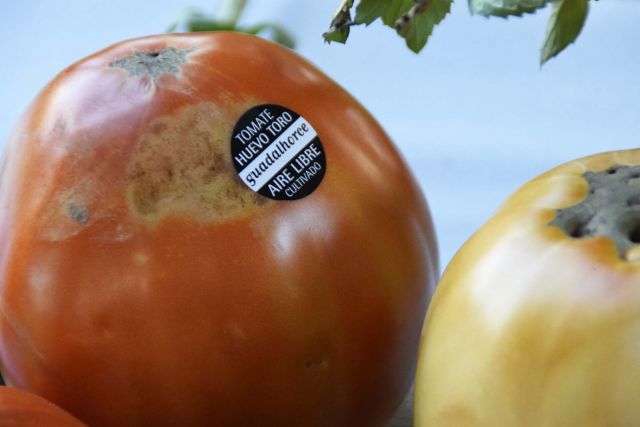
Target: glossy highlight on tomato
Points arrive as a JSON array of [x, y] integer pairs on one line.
[[143, 283], [536, 320]]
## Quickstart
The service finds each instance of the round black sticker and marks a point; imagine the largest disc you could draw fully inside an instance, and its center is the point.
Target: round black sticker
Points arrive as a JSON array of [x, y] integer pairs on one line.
[[277, 153]]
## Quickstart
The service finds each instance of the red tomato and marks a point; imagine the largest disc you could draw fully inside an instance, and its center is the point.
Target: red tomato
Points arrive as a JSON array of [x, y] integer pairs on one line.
[[143, 282], [536, 321], [21, 409]]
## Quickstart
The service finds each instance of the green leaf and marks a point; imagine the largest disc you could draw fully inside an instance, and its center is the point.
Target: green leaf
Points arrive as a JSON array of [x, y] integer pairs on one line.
[[202, 24], [417, 24], [566, 22], [194, 20], [340, 24], [278, 33], [395, 9], [368, 11], [186, 15], [504, 8], [412, 19], [231, 10], [174, 26]]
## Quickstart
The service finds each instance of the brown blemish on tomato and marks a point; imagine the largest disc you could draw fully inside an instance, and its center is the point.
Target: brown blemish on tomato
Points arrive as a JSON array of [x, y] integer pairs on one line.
[[66, 215], [182, 166], [78, 213]]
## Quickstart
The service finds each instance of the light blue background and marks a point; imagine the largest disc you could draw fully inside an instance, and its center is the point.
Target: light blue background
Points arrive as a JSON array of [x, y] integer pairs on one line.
[[474, 114]]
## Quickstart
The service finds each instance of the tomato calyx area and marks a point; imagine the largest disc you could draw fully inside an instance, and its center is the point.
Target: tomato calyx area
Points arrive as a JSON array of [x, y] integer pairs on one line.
[[611, 208], [153, 63]]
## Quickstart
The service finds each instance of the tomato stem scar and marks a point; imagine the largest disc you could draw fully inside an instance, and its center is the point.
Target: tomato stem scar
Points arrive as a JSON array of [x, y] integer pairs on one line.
[[611, 208], [153, 64]]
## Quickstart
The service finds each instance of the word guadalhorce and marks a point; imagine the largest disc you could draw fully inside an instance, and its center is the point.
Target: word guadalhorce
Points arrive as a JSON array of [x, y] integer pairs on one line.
[[281, 148]]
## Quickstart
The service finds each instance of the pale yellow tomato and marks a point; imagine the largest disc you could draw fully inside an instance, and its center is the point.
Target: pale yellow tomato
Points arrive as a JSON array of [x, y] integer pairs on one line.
[[536, 321]]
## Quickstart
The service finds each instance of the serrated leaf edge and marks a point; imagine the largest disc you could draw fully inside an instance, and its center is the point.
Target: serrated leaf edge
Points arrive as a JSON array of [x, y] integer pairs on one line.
[[340, 23], [404, 22], [557, 6]]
